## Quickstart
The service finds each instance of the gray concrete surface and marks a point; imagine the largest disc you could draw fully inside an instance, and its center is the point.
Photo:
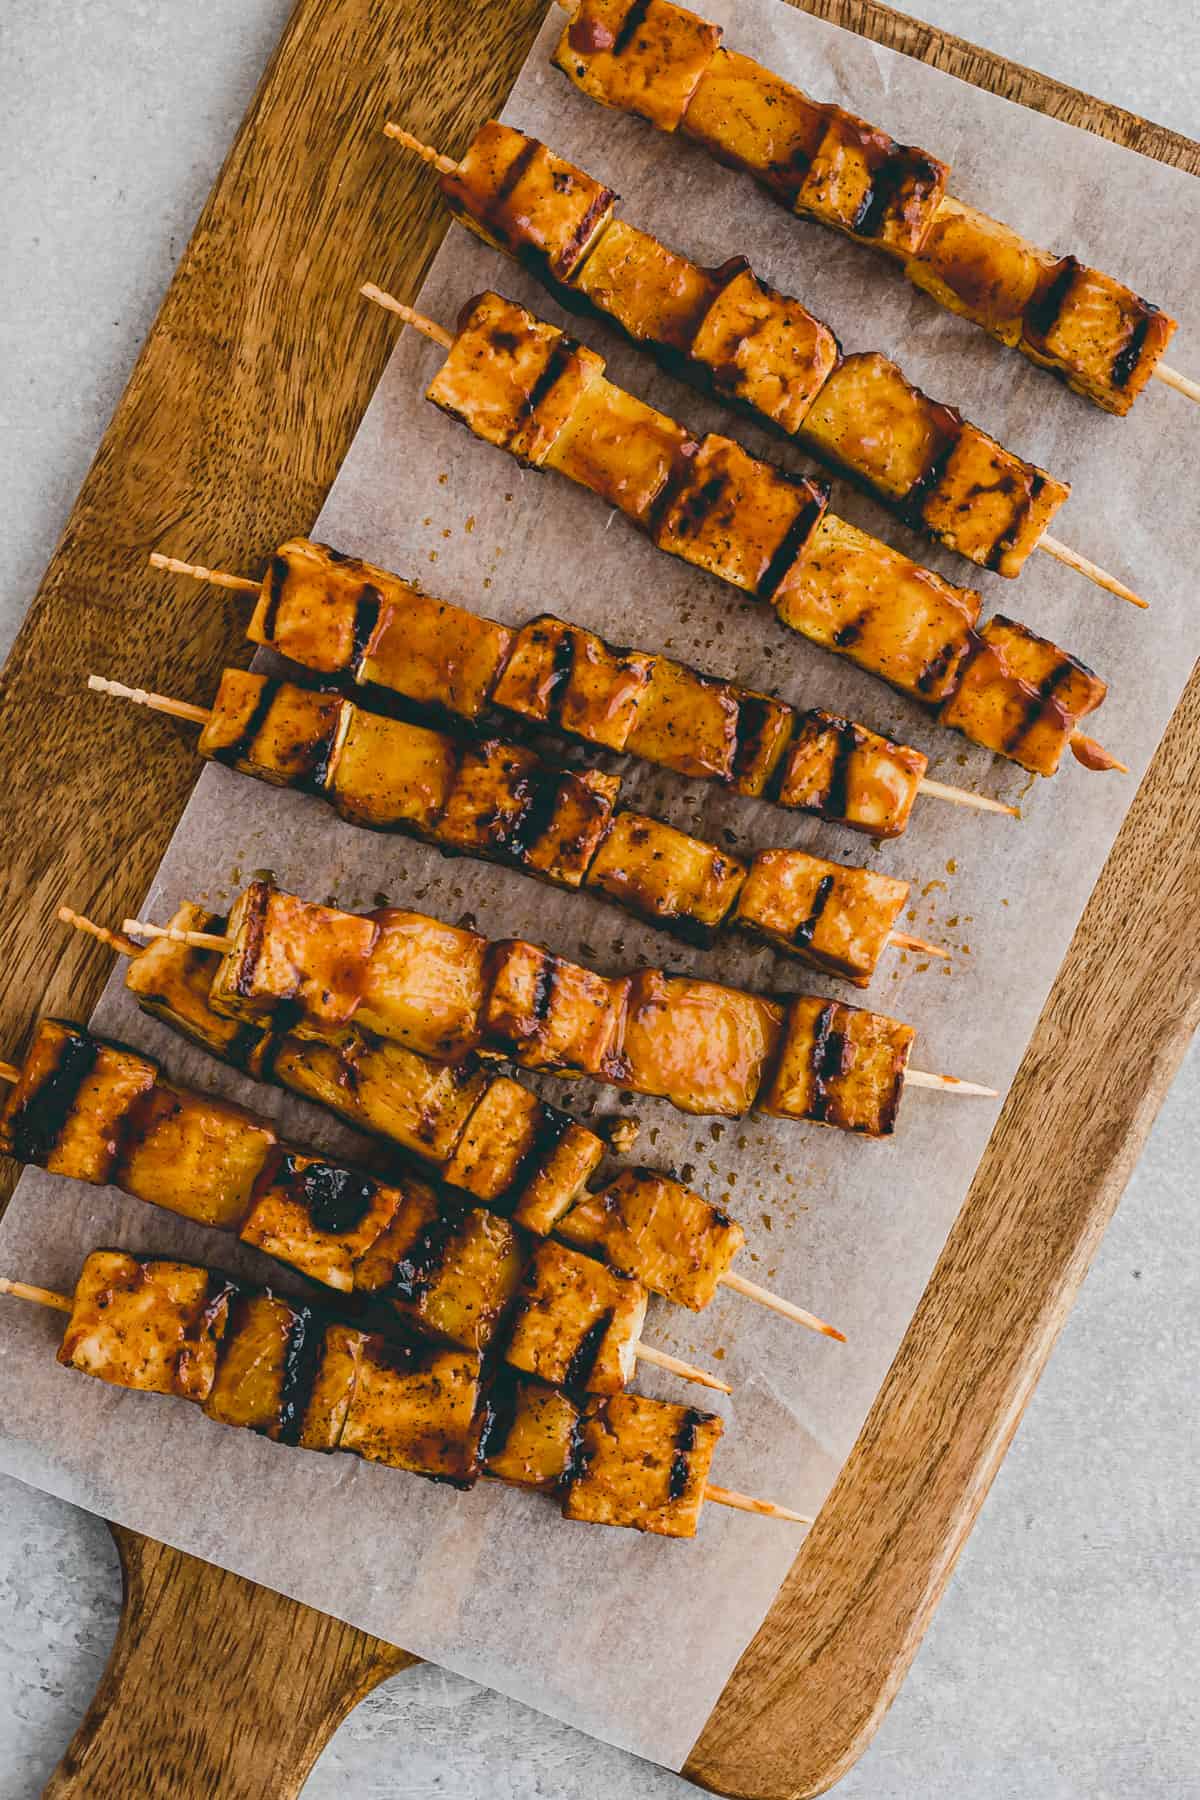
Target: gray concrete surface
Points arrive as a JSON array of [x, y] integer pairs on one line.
[[1062, 1661]]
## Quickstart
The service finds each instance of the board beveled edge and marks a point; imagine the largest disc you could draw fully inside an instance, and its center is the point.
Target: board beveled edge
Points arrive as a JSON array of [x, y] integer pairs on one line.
[[812, 1687]]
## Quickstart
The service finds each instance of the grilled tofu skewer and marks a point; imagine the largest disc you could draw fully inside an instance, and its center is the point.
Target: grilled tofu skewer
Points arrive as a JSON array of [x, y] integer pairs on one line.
[[93, 1110], [338, 616], [502, 803], [735, 336], [667, 65], [256, 1359], [526, 1161], [526, 387], [709, 1049]]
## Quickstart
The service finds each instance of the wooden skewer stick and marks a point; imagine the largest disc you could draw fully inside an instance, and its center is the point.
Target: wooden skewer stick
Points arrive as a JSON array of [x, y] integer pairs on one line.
[[437, 334], [1084, 565], [904, 940], [940, 790], [241, 584], [750, 1290], [1181, 383], [660, 1359], [949, 1084], [178, 709], [115, 940], [720, 1496], [445, 165]]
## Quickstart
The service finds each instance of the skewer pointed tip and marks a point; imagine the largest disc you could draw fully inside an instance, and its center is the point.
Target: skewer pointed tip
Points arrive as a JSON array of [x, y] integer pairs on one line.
[[941, 790], [1083, 565], [949, 1084], [766, 1509], [1183, 384]]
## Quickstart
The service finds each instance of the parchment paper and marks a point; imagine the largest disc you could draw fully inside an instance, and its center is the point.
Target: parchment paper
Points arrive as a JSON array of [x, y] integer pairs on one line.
[[632, 1638]]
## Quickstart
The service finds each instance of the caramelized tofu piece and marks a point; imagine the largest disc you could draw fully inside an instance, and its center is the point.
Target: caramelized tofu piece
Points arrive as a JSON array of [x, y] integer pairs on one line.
[[638, 57], [705, 1048], [338, 1355], [665, 876], [842, 772], [651, 1226], [423, 984], [449, 1270], [852, 594], [292, 953], [549, 1013], [524, 199], [642, 1463], [862, 182], [1021, 696], [391, 775], [435, 654], [71, 1107], [382, 1087], [576, 1323], [622, 450], [686, 721], [578, 820], [493, 800], [559, 674], [512, 379], [655, 295], [258, 1365], [764, 730], [148, 1325], [979, 268], [528, 1433], [173, 982], [1097, 333], [766, 350], [740, 518], [989, 505], [195, 1155], [555, 1178], [872, 421], [416, 1407], [317, 607], [505, 1140], [836, 917], [278, 732], [756, 121], [839, 1066], [319, 1217]]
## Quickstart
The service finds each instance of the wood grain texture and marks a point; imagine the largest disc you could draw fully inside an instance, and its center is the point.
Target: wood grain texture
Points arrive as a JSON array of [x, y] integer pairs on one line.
[[189, 1662], [234, 423]]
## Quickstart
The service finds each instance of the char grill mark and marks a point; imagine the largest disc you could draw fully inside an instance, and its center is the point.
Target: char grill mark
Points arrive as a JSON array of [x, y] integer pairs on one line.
[[418, 1269], [795, 537], [37, 1128], [552, 1128], [366, 623], [335, 1198], [276, 580], [232, 753], [685, 1443], [633, 21], [802, 937], [301, 1357], [837, 793], [1127, 357], [583, 1358]]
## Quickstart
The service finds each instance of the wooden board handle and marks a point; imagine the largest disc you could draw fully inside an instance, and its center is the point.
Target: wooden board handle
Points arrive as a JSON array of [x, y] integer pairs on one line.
[[215, 1686]]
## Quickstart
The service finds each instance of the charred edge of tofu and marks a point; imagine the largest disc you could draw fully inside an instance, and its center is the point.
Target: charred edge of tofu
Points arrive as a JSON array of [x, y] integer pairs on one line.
[[335, 1197], [35, 1123]]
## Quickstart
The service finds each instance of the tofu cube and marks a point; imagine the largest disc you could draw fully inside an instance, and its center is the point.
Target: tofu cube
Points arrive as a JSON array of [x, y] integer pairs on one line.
[[555, 1178], [740, 518], [989, 505], [843, 772], [872, 421], [320, 1217], [416, 1408], [666, 876], [637, 57], [420, 1105], [339, 1352], [529, 1433], [173, 981], [862, 182], [622, 450], [653, 1227], [1022, 696], [835, 916], [435, 654], [70, 1108], [287, 735], [751, 119], [642, 1463], [572, 827], [576, 1323], [839, 1066], [146, 1324], [686, 721], [492, 800], [423, 984], [1099, 334], [655, 295], [316, 607], [852, 594], [550, 1013], [502, 1139], [764, 731], [449, 1270], [391, 775], [196, 1155], [765, 349], [256, 1365], [512, 379], [538, 207], [975, 266], [562, 675], [705, 1048], [290, 953]]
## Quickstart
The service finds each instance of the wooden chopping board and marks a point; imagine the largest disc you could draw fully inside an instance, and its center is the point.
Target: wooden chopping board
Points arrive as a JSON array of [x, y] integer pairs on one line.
[[235, 421]]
